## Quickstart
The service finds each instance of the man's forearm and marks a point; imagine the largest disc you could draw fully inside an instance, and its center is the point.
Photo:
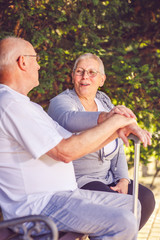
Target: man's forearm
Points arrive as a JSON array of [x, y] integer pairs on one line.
[[91, 140]]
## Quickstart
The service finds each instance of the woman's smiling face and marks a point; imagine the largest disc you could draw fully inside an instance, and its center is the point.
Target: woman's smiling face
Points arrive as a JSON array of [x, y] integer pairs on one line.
[[87, 78]]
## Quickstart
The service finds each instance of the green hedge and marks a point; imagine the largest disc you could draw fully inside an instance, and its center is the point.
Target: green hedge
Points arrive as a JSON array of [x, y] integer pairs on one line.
[[125, 34]]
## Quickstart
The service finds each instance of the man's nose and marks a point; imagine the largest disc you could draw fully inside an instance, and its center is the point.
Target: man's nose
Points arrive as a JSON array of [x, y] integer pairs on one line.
[[39, 66]]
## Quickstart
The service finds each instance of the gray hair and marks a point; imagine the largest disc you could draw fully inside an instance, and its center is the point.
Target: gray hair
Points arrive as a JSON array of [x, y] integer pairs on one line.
[[87, 56], [10, 49]]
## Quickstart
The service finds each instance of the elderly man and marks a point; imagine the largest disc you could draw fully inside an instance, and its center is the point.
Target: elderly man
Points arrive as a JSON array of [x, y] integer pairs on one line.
[[36, 171]]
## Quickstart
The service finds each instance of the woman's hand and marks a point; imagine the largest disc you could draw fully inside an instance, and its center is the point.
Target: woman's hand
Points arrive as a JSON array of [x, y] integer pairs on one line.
[[143, 135], [119, 109], [122, 186]]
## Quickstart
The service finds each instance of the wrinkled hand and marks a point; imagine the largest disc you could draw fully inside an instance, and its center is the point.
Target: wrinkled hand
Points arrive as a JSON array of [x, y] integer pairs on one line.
[[143, 135], [122, 110], [122, 186], [119, 109]]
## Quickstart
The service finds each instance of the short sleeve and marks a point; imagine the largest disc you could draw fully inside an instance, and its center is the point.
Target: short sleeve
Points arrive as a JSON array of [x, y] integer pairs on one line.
[[28, 124]]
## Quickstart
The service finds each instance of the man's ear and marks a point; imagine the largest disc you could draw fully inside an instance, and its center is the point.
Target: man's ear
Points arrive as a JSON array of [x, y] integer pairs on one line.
[[103, 80], [21, 63]]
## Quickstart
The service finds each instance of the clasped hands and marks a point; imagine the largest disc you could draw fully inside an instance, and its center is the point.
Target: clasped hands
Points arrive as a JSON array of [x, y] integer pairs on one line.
[[143, 135]]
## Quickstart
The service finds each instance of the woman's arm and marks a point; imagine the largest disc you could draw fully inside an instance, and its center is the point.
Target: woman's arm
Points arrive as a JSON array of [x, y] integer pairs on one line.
[[66, 111], [119, 169], [119, 165]]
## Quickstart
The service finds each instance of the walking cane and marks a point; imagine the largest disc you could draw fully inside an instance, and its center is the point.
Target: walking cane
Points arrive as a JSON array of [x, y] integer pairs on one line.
[[136, 169]]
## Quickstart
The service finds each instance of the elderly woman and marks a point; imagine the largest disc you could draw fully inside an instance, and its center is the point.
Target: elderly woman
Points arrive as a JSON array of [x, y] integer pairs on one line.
[[85, 107]]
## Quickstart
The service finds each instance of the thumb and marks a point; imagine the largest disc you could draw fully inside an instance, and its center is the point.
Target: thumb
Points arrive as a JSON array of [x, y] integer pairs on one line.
[[114, 188], [124, 138]]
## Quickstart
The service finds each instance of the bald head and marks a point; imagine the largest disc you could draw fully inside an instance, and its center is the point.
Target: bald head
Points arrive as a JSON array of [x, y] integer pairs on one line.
[[18, 65], [10, 49]]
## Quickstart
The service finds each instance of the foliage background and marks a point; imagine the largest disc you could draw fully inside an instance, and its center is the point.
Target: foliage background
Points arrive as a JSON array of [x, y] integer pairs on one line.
[[125, 34]]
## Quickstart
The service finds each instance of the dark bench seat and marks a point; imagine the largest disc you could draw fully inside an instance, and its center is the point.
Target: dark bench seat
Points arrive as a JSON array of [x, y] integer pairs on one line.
[[9, 228]]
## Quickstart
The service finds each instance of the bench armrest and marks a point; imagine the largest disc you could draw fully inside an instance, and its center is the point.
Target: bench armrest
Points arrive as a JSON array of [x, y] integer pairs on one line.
[[30, 226]]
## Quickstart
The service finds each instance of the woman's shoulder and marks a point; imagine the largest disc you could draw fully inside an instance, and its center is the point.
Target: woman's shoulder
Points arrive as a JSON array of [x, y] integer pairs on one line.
[[68, 93], [67, 98], [102, 95], [105, 99]]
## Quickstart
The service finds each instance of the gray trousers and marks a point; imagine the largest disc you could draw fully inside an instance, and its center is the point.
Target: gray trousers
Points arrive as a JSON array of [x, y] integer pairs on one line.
[[101, 215]]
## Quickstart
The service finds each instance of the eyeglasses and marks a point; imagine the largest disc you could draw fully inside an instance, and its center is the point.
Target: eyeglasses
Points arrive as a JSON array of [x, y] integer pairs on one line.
[[37, 57], [81, 72]]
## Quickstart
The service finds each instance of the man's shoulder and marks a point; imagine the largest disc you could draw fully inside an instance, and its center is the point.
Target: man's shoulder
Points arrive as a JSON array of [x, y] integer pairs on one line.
[[5, 97], [9, 97]]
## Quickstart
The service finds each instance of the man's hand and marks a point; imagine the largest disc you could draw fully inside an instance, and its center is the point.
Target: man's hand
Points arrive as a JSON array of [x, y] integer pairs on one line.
[[119, 109], [143, 135], [122, 186]]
